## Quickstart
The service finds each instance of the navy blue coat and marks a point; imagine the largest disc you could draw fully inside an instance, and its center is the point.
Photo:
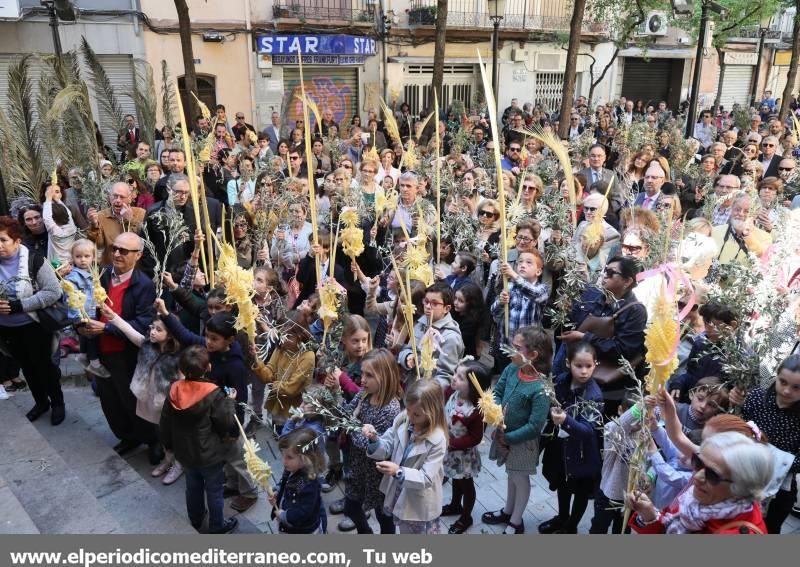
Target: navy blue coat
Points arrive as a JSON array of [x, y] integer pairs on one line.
[[137, 309], [704, 360], [581, 450]]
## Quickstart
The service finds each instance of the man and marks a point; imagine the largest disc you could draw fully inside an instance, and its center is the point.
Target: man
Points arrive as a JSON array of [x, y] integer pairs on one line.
[[705, 131], [775, 127], [297, 164], [241, 126], [202, 127], [732, 150], [731, 237], [131, 295], [72, 198], [179, 201], [724, 166], [507, 113], [352, 148], [177, 164], [512, 161], [627, 115], [596, 172], [663, 113], [478, 145], [122, 216], [276, 132], [769, 157], [768, 101], [139, 164], [725, 187], [245, 144], [654, 178], [575, 127], [129, 136], [510, 134], [755, 126]]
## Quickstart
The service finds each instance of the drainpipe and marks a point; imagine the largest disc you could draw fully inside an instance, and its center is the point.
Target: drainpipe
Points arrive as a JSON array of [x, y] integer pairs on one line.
[[251, 79]]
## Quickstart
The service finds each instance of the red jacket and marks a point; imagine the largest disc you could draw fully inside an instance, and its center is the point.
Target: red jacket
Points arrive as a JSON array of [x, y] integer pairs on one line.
[[744, 523], [473, 424]]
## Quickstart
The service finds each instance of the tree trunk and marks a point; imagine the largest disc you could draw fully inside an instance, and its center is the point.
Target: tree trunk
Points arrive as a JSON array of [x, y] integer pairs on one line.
[[438, 55], [189, 73], [721, 57], [791, 76], [602, 76], [570, 71]]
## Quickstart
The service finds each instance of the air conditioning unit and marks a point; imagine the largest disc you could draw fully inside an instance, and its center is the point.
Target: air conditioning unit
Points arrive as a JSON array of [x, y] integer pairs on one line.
[[518, 55], [655, 24]]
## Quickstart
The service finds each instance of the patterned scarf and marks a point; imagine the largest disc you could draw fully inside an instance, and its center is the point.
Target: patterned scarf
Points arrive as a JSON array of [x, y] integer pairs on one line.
[[692, 516]]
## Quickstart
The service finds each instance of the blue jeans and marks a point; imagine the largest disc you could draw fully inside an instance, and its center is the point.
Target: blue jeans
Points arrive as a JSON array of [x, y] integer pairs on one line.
[[209, 480]]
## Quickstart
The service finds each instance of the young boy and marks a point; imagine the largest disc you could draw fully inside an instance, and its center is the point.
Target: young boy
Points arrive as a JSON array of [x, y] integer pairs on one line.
[[448, 344], [462, 267], [707, 399], [525, 296], [705, 358], [197, 424]]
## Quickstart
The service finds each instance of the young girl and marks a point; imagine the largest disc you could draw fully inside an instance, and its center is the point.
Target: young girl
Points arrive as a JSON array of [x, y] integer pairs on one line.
[[156, 370], [415, 446], [463, 462], [520, 391], [356, 342], [377, 404], [61, 229], [298, 502], [572, 460]]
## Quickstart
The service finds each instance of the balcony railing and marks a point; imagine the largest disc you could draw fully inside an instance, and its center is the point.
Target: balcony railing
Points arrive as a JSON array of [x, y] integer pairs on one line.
[[332, 10], [546, 15]]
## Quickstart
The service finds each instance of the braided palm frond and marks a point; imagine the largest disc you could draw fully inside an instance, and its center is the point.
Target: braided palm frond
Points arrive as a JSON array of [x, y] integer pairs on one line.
[[103, 89], [390, 122], [661, 338], [21, 152], [144, 97], [167, 97]]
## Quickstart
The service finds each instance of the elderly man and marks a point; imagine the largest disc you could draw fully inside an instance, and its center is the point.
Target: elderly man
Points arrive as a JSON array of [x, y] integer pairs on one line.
[[72, 198], [725, 187], [131, 295], [654, 179], [121, 216], [596, 172], [725, 166], [769, 157], [739, 237]]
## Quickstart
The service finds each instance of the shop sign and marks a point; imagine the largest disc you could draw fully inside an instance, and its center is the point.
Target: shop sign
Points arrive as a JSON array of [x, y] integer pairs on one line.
[[319, 59], [315, 45]]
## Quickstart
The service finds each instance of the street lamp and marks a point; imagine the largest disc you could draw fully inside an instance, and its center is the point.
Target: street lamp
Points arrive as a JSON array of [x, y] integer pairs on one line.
[[763, 28], [58, 10], [497, 10]]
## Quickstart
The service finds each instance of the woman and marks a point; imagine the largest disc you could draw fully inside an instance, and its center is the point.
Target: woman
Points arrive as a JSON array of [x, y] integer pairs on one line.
[[368, 169], [168, 142], [776, 410], [472, 315], [731, 472], [770, 211], [752, 172], [387, 167], [242, 227], [488, 235], [612, 320], [283, 152], [750, 150], [142, 197], [21, 335], [152, 175], [593, 244], [291, 242], [106, 169], [531, 189], [34, 233], [639, 109], [635, 173], [603, 124], [163, 159], [355, 121]]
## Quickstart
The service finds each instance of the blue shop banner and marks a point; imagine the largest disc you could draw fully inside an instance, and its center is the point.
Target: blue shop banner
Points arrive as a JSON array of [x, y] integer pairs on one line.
[[315, 45]]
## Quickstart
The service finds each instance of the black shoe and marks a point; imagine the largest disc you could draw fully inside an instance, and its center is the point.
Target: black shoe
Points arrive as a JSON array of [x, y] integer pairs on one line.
[[551, 526], [460, 526], [496, 517], [155, 453], [125, 446], [199, 525], [227, 526], [227, 492], [57, 415], [37, 411], [515, 529], [795, 511], [451, 510]]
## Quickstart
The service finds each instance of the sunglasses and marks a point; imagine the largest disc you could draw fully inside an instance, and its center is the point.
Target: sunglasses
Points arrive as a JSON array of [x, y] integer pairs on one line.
[[487, 213], [514, 150], [527, 188], [610, 273], [768, 145], [712, 477], [632, 248], [347, 166], [590, 209], [785, 169], [122, 251]]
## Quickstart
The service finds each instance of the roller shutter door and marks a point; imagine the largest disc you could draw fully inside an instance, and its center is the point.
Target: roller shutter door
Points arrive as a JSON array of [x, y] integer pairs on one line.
[[646, 80], [736, 85], [335, 88], [35, 67], [119, 69]]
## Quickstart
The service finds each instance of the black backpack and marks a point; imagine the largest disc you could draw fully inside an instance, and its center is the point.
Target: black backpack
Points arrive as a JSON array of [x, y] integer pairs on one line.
[[56, 316]]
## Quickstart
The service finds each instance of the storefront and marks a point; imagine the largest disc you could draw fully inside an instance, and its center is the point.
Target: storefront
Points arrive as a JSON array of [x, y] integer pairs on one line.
[[333, 73]]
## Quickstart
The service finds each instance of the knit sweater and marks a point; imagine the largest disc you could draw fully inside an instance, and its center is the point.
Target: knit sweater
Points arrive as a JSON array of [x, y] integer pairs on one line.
[[525, 405]]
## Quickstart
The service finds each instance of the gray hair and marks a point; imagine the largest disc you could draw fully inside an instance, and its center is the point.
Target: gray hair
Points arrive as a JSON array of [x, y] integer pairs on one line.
[[750, 464], [409, 176], [773, 139], [176, 178]]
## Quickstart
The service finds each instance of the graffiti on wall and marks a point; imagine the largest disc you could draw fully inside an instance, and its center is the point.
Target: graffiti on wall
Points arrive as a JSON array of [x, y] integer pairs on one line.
[[331, 93]]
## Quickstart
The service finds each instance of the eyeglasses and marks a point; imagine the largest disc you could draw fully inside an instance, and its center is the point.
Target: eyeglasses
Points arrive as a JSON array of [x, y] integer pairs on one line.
[[368, 171], [519, 238], [631, 248], [610, 273], [122, 251], [487, 213], [429, 303], [712, 477], [765, 145], [178, 193], [527, 188], [347, 166]]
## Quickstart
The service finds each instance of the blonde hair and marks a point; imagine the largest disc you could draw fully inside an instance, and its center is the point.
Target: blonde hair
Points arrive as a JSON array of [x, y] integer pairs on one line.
[[427, 394], [699, 224], [82, 243], [494, 205], [382, 363], [355, 323]]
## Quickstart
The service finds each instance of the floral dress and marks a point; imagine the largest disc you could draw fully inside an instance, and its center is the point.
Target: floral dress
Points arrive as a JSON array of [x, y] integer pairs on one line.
[[466, 431]]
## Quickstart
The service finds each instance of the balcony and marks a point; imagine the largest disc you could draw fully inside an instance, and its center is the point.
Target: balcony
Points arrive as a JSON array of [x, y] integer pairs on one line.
[[520, 15], [354, 11]]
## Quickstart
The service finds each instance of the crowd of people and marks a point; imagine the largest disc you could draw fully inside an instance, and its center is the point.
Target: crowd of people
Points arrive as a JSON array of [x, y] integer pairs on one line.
[[392, 287]]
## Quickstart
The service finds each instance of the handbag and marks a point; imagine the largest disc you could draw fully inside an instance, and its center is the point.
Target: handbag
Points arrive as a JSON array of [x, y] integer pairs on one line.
[[53, 317], [608, 372]]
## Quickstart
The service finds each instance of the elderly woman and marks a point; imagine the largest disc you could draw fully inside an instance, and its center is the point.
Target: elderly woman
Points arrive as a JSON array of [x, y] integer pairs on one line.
[[731, 472], [387, 167], [290, 242], [21, 336], [771, 212], [368, 169], [593, 244], [410, 206]]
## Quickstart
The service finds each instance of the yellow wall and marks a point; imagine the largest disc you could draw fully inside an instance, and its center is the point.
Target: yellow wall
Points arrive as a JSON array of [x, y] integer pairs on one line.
[[199, 10]]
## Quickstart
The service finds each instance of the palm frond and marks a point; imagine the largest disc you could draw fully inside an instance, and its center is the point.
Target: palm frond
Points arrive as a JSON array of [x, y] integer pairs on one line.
[[167, 97], [144, 97], [103, 89], [22, 152]]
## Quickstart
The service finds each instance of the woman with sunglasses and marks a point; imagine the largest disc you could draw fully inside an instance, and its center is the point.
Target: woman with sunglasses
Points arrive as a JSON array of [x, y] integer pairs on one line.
[[593, 251], [532, 188], [142, 194], [488, 235]]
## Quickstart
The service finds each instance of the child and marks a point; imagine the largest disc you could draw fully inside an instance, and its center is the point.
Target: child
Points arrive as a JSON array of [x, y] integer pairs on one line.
[[618, 445], [156, 370], [520, 391], [80, 276], [377, 404], [415, 446], [463, 462], [448, 345], [525, 296], [462, 268], [356, 342], [197, 425], [298, 502], [61, 231], [289, 370], [706, 399], [309, 418], [575, 447]]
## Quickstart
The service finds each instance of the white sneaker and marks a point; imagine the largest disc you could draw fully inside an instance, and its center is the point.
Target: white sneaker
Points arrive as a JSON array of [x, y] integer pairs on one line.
[[162, 467], [174, 473], [98, 369]]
